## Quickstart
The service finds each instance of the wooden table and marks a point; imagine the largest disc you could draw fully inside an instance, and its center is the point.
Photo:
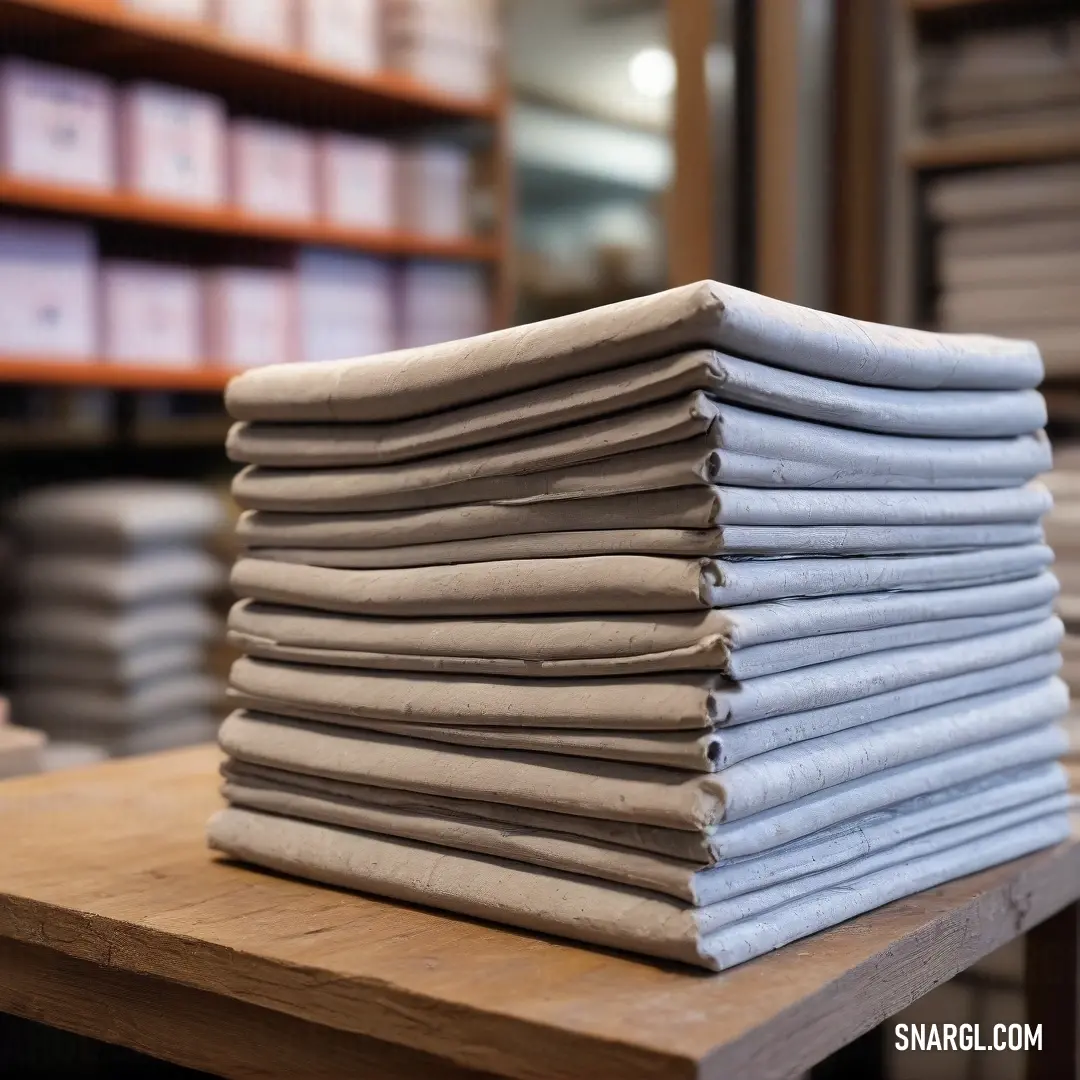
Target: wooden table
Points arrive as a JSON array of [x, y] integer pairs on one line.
[[117, 922]]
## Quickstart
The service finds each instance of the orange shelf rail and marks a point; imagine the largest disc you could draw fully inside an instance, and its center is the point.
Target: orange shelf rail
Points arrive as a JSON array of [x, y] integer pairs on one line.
[[124, 206], [97, 373]]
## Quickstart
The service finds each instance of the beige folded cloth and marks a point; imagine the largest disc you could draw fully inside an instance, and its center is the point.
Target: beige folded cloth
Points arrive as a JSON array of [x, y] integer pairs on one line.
[[741, 643], [617, 583], [167, 731], [957, 414], [691, 750], [50, 665], [161, 576], [1041, 788], [101, 632], [987, 762], [730, 540], [540, 641], [641, 793], [421, 381], [58, 706], [663, 701], [672, 508], [115, 515], [716, 937], [735, 445]]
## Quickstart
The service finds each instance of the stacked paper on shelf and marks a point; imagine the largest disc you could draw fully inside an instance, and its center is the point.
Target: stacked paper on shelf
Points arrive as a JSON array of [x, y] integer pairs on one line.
[[1007, 256], [106, 642], [690, 625]]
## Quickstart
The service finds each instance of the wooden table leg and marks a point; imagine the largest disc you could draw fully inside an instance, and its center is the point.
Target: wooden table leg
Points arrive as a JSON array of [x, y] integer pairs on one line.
[[1052, 995]]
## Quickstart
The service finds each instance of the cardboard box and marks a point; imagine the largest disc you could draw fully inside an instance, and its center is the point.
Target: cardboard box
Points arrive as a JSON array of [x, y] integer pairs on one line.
[[56, 125], [151, 313], [172, 144], [344, 33], [196, 10], [357, 181], [346, 305], [442, 302], [272, 170], [48, 289], [251, 316], [269, 23], [434, 191]]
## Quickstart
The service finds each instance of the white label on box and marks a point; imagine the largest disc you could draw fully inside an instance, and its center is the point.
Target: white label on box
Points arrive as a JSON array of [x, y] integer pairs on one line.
[[346, 33], [273, 170], [152, 313], [346, 305], [173, 144], [48, 296], [251, 317], [56, 125], [260, 22], [358, 180]]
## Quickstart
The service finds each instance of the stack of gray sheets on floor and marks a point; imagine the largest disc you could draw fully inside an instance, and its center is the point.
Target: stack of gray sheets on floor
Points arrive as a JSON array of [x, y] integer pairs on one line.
[[105, 648], [602, 628]]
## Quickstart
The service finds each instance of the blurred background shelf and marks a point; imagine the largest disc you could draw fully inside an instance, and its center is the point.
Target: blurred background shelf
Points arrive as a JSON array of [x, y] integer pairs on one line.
[[109, 376], [123, 42], [127, 207]]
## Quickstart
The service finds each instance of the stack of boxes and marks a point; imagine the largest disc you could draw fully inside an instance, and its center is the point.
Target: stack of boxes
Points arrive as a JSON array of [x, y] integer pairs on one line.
[[105, 646]]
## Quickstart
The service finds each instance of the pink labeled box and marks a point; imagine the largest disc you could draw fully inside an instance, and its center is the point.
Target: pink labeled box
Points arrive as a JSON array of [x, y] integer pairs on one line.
[[442, 302], [343, 33], [269, 23], [250, 316], [195, 10], [357, 181], [272, 170], [172, 144], [463, 72], [151, 313], [434, 191], [346, 305], [48, 289], [56, 125]]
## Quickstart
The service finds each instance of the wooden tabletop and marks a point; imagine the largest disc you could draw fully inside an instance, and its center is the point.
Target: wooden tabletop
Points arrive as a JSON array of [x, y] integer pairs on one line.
[[117, 922]]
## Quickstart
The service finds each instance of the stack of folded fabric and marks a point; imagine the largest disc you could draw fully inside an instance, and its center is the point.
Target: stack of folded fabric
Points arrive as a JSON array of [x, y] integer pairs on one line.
[[105, 647], [690, 625], [1063, 532]]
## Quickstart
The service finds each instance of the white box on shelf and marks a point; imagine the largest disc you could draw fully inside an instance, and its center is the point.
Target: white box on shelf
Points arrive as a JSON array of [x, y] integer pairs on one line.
[[434, 190], [196, 10], [346, 305], [442, 302], [151, 313], [48, 289], [172, 144], [357, 181], [471, 24], [272, 169], [56, 125], [446, 65], [344, 33], [250, 316], [269, 23]]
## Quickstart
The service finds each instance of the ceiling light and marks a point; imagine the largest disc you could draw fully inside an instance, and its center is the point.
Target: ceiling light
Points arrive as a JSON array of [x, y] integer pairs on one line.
[[652, 73]]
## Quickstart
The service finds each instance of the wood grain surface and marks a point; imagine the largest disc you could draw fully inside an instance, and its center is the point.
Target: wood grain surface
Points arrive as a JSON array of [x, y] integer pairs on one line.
[[108, 866]]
